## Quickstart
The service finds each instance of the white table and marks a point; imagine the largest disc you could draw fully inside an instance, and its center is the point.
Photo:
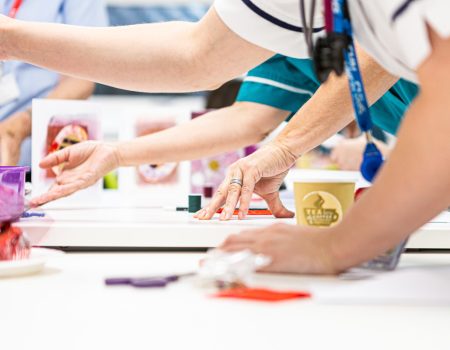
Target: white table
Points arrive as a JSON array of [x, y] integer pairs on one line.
[[158, 228], [68, 307]]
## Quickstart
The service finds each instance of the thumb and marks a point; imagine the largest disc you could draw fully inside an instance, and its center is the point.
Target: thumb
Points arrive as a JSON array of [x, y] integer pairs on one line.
[[276, 206]]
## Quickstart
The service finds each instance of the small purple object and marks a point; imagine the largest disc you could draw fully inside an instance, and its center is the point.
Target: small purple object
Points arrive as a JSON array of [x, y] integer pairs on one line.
[[146, 282], [117, 281], [250, 150], [27, 215], [12, 187], [149, 282]]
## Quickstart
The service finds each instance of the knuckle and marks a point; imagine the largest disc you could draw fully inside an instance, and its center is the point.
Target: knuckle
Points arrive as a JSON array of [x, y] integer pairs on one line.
[[246, 189], [234, 189], [245, 166], [229, 203], [219, 193]]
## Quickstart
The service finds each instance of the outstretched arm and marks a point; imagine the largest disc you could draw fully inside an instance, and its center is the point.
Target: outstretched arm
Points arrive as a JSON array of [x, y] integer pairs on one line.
[[162, 57], [227, 129], [414, 185], [240, 125], [327, 112], [412, 188]]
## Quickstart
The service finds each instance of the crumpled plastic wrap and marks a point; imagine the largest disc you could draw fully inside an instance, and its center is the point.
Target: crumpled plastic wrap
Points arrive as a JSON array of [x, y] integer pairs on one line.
[[231, 269], [14, 244]]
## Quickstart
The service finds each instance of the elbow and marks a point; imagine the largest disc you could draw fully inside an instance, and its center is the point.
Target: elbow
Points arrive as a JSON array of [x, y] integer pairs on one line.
[[202, 75], [202, 69], [211, 86]]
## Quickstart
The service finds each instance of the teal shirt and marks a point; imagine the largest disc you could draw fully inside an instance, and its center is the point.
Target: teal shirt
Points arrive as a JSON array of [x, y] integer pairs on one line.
[[288, 83]]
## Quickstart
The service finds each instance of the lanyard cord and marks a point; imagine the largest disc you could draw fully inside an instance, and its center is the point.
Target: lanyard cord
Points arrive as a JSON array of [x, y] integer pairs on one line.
[[308, 28], [342, 25], [15, 8], [372, 157]]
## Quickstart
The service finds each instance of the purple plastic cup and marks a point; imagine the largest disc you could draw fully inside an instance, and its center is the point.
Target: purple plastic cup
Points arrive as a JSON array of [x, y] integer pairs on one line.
[[12, 188]]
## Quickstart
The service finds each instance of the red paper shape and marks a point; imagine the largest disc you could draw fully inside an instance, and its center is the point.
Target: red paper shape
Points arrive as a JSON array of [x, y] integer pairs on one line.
[[261, 294]]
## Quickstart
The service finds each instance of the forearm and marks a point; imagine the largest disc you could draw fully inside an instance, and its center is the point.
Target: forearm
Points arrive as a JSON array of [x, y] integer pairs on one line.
[[219, 131], [330, 109], [412, 188], [163, 57]]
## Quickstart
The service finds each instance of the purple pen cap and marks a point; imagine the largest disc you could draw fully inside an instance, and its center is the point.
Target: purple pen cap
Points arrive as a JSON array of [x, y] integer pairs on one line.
[[12, 192]]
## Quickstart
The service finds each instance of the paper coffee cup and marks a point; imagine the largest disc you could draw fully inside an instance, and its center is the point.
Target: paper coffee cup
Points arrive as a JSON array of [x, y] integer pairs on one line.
[[322, 203]]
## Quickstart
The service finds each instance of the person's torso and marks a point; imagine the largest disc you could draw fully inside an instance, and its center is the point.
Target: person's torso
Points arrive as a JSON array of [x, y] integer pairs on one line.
[[395, 32], [373, 28]]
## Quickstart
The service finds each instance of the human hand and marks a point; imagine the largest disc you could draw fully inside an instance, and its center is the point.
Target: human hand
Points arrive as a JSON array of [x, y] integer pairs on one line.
[[82, 166], [13, 131], [348, 153], [292, 249], [263, 173]]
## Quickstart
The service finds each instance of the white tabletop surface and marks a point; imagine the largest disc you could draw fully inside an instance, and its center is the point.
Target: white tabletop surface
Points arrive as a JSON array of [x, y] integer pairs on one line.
[[68, 307], [157, 228], [113, 224]]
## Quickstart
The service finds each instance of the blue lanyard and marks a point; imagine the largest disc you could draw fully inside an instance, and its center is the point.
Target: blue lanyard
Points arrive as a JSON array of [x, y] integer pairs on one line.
[[372, 157]]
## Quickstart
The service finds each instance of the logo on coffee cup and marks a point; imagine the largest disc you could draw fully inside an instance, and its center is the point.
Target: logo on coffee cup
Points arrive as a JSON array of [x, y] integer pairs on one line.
[[321, 209]]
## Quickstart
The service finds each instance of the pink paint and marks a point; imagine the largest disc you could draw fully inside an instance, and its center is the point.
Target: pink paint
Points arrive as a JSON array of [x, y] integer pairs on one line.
[[14, 245]]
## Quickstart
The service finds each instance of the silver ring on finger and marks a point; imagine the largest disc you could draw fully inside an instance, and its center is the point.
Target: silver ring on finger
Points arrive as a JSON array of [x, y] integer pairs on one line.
[[236, 181]]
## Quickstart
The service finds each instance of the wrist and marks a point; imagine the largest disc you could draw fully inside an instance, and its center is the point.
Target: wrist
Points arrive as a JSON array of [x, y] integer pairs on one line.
[[330, 256], [120, 149], [339, 258], [286, 151]]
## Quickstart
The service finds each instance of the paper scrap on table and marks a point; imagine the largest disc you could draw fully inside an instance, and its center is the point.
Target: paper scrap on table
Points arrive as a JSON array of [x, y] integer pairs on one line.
[[415, 286]]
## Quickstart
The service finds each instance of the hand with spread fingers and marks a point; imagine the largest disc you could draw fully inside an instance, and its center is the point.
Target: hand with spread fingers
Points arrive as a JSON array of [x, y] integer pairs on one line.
[[262, 173], [291, 248], [82, 166]]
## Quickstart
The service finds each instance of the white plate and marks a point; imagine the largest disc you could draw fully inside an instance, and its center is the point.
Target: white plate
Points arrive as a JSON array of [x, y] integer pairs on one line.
[[34, 264]]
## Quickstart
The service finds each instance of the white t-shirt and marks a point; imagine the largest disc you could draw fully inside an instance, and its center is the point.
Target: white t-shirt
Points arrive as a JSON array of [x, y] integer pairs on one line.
[[392, 31], [272, 24]]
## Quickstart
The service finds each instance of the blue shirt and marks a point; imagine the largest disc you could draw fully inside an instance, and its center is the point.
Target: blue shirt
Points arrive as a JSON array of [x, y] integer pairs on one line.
[[288, 83], [36, 82]]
